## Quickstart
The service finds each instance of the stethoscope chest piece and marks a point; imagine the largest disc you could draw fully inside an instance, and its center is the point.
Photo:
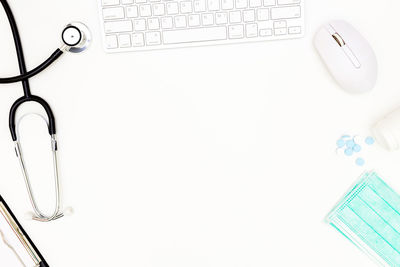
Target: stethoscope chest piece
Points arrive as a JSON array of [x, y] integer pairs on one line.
[[76, 37]]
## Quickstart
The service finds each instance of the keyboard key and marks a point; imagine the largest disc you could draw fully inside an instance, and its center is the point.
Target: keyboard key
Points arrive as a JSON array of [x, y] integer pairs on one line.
[[132, 11], [158, 9], [255, 3], [153, 38], [281, 31], [111, 41], [139, 24], [235, 17], [186, 7], [295, 30], [172, 8], [264, 25], [140, 1], [194, 20], [145, 10], [221, 18], [280, 24], [248, 15], [269, 2], [118, 26], [110, 2], [213, 5], [166, 23], [113, 13], [285, 12], [263, 14], [227, 4], [195, 35], [199, 5], [288, 2], [124, 40], [137, 39], [208, 19], [241, 3], [266, 32], [127, 2], [180, 21], [251, 30], [236, 31], [153, 23]]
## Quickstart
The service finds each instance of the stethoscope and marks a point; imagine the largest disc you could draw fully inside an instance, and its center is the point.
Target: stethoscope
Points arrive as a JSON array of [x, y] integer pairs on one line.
[[76, 38]]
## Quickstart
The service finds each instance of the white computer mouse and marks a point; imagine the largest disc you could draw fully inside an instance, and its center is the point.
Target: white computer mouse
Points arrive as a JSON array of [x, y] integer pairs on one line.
[[348, 56]]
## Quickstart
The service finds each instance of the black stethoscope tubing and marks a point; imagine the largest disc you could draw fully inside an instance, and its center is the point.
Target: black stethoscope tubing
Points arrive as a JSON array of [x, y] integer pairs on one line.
[[24, 76], [34, 71]]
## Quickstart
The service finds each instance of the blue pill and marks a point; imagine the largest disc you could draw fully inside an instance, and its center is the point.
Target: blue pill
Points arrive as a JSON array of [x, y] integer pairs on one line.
[[340, 143], [350, 143], [360, 162], [356, 148], [348, 152], [369, 140]]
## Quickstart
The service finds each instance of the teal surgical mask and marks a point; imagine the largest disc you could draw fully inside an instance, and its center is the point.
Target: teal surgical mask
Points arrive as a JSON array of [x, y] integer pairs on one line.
[[369, 216]]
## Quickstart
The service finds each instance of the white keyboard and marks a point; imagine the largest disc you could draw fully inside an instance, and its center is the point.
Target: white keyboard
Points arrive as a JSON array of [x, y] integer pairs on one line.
[[137, 25]]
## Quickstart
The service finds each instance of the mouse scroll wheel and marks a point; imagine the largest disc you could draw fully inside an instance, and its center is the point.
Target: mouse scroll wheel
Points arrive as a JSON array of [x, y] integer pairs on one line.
[[339, 39]]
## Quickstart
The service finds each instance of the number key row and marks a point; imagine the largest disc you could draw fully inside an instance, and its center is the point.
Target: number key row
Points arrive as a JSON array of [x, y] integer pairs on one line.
[[255, 3], [183, 7]]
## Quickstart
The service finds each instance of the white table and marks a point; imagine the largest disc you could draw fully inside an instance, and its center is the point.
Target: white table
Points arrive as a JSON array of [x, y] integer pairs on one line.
[[212, 156]]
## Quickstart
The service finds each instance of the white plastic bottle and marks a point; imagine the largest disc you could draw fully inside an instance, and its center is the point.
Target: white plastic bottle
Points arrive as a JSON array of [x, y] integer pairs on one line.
[[387, 131]]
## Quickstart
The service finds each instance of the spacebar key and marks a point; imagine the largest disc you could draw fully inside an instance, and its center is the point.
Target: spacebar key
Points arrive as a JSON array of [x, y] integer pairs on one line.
[[194, 35]]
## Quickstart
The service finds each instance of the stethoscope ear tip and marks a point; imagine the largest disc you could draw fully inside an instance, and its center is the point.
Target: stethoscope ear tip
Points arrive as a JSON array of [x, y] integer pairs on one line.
[[28, 216], [76, 37], [69, 211]]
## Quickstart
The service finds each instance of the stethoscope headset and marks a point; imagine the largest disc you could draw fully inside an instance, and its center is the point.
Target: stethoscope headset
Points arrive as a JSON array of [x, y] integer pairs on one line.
[[76, 38]]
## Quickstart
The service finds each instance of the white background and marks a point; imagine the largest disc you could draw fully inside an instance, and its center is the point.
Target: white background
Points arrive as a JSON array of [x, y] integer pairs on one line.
[[211, 156]]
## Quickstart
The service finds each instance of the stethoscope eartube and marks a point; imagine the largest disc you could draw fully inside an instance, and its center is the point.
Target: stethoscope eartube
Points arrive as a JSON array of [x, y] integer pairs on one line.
[[76, 38]]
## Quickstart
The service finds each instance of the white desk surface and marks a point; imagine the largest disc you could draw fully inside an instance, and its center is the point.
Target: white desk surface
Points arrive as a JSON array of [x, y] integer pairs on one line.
[[211, 156]]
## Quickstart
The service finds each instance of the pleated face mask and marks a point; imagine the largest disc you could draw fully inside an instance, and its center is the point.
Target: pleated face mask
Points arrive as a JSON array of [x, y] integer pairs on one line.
[[369, 216]]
